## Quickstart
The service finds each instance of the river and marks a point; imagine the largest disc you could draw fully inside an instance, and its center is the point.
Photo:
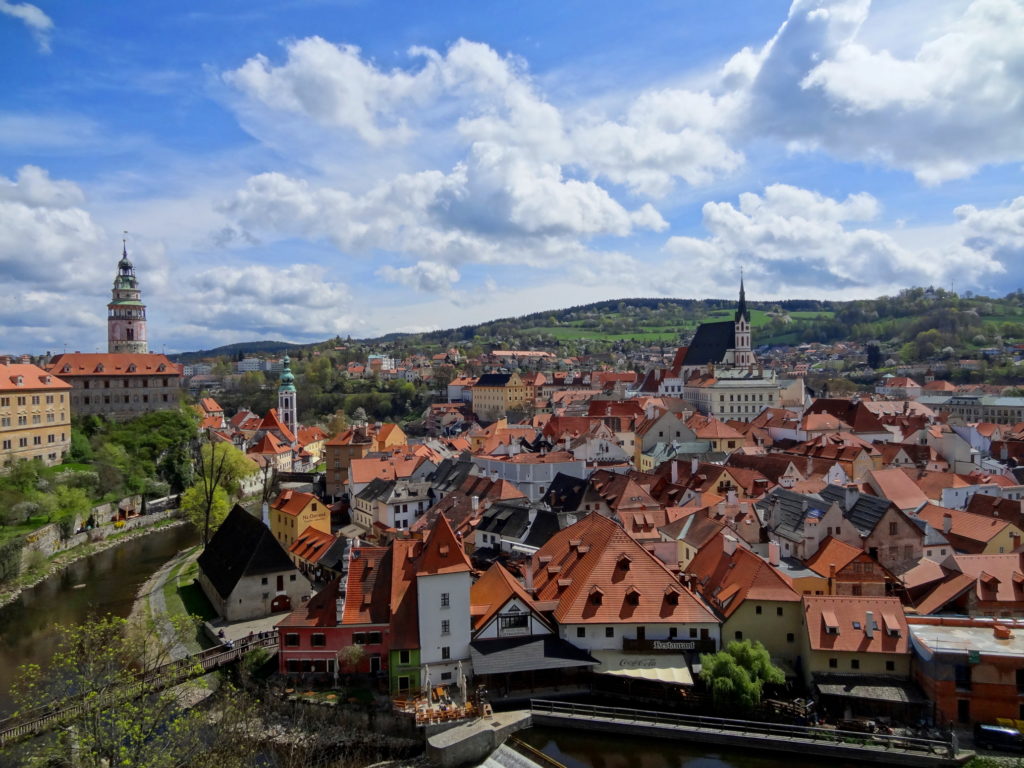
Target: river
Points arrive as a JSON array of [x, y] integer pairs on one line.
[[587, 749], [105, 582]]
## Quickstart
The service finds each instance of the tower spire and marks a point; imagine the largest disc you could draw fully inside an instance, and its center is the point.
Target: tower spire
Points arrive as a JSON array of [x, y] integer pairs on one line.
[[741, 310]]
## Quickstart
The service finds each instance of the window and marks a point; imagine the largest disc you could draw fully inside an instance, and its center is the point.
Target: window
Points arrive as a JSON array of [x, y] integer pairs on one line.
[[890, 666], [263, 581], [7, 445], [445, 600], [446, 627], [35, 399], [672, 633], [581, 631], [446, 652], [833, 663], [292, 577], [892, 528], [319, 640], [609, 631], [359, 638], [778, 610], [291, 640], [962, 673], [738, 635], [790, 637], [854, 663], [757, 610], [404, 657]]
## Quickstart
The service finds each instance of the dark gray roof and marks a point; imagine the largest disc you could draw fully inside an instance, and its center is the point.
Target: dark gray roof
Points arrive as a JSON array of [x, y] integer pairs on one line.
[[493, 380], [506, 518], [519, 654], [785, 511], [451, 473], [710, 343], [242, 546], [377, 488], [565, 493], [865, 511], [545, 525]]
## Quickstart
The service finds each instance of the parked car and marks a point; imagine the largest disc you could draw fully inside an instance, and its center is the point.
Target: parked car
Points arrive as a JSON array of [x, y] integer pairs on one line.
[[998, 737]]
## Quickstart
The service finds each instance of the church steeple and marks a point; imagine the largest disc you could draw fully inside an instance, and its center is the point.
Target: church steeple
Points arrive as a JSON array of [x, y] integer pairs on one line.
[[286, 405], [126, 314], [741, 310]]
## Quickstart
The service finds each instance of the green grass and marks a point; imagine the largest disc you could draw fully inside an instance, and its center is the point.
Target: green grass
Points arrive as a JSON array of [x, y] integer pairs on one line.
[[184, 597], [9, 532], [813, 315]]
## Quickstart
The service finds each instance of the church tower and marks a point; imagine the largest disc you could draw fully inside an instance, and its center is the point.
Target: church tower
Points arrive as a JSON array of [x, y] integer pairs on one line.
[[743, 354], [126, 314], [286, 410]]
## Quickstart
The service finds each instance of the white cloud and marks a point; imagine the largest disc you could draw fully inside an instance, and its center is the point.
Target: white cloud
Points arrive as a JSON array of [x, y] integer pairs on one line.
[[798, 239], [425, 276], [38, 22], [44, 233], [999, 231], [292, 303], [950, 108]]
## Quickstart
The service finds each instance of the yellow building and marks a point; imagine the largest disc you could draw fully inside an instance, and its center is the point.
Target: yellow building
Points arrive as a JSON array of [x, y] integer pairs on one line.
[[495, 394], [293, 512], [35, 415]]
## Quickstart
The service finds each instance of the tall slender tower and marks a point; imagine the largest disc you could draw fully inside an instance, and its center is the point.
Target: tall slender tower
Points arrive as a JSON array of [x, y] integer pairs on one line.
[[743, 354], [286, 398], [126, 314]]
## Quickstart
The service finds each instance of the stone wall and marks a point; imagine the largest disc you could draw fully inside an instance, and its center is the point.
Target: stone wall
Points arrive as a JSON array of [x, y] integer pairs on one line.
[[48, 542]]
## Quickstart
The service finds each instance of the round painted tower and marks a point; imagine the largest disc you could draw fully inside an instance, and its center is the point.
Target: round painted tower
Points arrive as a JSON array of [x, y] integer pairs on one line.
[[126, 314], [286, 406]]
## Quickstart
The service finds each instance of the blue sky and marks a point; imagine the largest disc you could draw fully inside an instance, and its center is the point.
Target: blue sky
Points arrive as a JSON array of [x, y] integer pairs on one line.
[[305, 168]]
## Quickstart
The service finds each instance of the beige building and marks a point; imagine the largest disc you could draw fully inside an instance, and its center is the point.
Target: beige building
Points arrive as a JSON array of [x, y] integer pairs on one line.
[[737, 394], [35, 415], [293, 512], [495, 394], [119, 386]]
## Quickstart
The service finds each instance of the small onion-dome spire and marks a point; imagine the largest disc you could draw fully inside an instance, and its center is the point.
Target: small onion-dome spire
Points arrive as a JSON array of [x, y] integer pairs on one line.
[[287, 377]]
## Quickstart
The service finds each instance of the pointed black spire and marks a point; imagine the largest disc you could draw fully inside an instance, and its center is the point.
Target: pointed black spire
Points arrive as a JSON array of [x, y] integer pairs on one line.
[[741, 310]]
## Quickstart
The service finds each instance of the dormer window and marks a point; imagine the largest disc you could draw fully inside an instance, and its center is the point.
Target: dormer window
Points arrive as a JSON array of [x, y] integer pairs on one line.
[[623, 562], [671, 596], [132, 368], [161, 368], [443, 549], [99, 368], [596, 595], [633, 596], [828, 618]]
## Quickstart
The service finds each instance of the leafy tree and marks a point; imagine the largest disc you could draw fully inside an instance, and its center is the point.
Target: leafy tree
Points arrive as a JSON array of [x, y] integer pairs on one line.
[[736, 675], [206, 514], [95, 663], [70, 504], [359, 415]]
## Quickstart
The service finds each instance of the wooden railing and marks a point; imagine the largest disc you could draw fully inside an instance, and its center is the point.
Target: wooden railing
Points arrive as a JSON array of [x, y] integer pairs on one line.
[[776, 731], [42, 719]]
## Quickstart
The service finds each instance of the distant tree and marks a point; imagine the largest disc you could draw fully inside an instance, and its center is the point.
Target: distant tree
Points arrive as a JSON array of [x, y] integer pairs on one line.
[[736, 675], [220, 468], [337, 423], [359, 416], [206, 513], [874, 356]]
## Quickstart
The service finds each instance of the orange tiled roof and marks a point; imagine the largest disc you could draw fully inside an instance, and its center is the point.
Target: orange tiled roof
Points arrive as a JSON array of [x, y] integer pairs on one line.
[[386, 468], [367, 587], [311, 544], [271, 421], [312, 434], [597, 573], [966, 526], [210, 405], [832, 552], [269, 444], [293, 502], [22, 377], [491, 593], [442, 552], [842, 611], [727, 580], [113, 364]]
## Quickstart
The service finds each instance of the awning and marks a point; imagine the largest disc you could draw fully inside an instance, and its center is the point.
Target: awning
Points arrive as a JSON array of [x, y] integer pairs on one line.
[[870, 689], [523, 654], [664, 669]]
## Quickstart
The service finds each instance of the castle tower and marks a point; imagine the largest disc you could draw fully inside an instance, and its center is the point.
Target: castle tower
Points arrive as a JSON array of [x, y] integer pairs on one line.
[[126, 314], [286, 409], [743, 354]]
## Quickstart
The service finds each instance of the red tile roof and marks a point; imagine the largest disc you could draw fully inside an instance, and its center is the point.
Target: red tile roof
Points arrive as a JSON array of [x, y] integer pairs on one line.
[[293, 502], [968, 532], [492, 592], [21, 377], [272, 422], [320, 611], [311, 545], [842, 611], [726, 580], [269, 444], [113, 364], [832, 552], [210, 405], [442, 552], [367, 587], [597, 573]]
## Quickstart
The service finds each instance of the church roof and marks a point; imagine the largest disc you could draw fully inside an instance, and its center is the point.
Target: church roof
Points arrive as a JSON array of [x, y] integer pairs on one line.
[[710, 343], [242, 546]]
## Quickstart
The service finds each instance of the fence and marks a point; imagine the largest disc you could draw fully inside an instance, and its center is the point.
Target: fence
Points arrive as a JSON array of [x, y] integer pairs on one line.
[[795, 734]]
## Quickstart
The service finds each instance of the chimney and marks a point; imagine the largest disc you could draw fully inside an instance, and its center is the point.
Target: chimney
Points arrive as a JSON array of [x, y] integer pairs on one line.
[[693, 465], [650, 411], [730, 545], [339, 609], [852, 495], [773, 553], [474, 503], [869, 624], [947, 522], [529, 578], [730, 497], [266, 514], [674, 465], [831, 571]]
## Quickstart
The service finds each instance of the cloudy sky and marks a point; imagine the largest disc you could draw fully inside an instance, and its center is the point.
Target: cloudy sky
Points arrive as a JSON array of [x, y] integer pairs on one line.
[[304, 168]]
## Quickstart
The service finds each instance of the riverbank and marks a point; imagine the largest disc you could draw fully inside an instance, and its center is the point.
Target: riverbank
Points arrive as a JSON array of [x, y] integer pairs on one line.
[[11, 591]]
